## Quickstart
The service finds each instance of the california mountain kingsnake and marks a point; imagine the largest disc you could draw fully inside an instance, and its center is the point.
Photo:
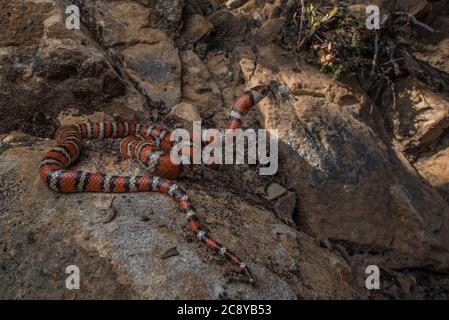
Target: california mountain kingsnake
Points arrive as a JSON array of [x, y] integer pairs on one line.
[[151, 147]]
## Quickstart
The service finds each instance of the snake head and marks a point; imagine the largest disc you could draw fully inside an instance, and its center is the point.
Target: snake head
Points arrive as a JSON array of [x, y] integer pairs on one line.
[[260, 92]]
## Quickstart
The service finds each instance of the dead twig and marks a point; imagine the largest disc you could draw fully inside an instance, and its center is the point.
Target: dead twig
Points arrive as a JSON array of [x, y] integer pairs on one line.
[[172, 252], [111, 213], [418, 23], [301, 26], [376, 52]]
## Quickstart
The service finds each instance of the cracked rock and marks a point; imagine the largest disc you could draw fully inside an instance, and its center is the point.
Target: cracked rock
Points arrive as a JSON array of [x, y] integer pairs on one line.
[[274, 191], [285, 206]]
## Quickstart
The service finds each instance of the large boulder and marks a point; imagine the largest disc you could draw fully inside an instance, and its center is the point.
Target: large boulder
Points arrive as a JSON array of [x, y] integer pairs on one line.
[[195, 28], [198, 85], [124, 23], [157, 70], [420, 116], [434, 167], [351, 185], [124, 244], [45, 68]]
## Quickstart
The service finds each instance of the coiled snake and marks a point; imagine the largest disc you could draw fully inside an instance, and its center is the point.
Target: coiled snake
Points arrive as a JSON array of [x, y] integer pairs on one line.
[[151, 147]]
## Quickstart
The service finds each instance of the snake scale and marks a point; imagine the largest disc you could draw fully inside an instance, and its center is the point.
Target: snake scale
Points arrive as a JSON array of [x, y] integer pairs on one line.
[[151, 147]]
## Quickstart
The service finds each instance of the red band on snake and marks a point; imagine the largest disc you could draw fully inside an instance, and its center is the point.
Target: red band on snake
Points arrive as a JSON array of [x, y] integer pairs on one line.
[[151, 147]]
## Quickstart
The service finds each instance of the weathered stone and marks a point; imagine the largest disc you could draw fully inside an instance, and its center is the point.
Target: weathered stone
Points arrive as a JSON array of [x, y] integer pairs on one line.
[[353, 184], [157, 69], [274, 191], [166, 13], [15, 137], [186, 114], [317, 284], [247, 60], [45, 68], [23, 22], [228, 25], [435, 169], [126, 23], [420, 117], [53, 27], [350, 185], [218, 66], [196, 27], [198, 86], [234, 4], [58, 230], [438, 55], [269, 31], [73, 116], [285, 206]]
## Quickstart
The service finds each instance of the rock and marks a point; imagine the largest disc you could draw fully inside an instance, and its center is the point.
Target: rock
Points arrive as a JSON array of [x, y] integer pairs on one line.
[[69, 229], [252, 6], [234, 4], [16, 137], [269, 31], [274, 191], [73, 116], [341, 170], [285, 206], [122, 22], [438, 55], [125, 23], [435, 169], [344, 253], [186, 113], [18, 16], [218, 66], [246, 58], [52, 27], [227, 76], [196, 27], [420, 117], [324, 242], [157, 69], [347, 165], [46, 68], [198, 86], [409, 217], [227, 25], [317, 284], [166, 13]]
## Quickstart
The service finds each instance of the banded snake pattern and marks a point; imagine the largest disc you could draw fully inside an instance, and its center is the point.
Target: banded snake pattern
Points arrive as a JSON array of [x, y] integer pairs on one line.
[[151, 147]]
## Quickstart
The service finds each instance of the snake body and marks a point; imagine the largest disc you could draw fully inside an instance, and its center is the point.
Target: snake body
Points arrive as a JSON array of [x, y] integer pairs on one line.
[[151, 147]]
